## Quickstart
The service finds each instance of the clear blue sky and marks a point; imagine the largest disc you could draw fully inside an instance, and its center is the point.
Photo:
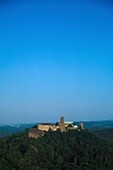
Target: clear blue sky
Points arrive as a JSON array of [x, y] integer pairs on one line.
[[56, 58]]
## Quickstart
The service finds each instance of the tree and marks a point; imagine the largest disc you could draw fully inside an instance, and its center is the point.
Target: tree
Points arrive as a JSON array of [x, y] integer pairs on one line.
[[56, 124], [74, 123], [34, 127]]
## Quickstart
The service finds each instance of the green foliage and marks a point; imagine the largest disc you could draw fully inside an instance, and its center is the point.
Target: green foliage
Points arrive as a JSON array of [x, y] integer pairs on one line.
[[74, 123], [70, 125], [73, 149], [34, 127], [56, 124], [106, 133]]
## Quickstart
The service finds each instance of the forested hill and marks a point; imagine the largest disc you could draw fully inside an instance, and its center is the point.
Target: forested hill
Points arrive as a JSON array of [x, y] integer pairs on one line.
[[55, 150], [106, 134]]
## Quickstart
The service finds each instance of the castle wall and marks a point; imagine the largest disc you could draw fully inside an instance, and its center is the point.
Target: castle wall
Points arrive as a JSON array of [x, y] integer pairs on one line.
[[62, 126], [54, 128], [44, 127], [75, 126], [32, 135]]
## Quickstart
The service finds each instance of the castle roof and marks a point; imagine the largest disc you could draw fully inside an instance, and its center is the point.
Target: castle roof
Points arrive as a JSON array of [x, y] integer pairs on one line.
[[45, 124]]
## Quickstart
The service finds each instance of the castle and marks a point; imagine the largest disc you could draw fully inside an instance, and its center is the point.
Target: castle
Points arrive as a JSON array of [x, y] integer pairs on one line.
[[44, 127]]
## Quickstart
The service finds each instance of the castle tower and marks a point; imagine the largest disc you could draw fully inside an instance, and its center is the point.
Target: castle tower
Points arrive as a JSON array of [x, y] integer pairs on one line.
[[81, 125], [62, 119], [61, 124]]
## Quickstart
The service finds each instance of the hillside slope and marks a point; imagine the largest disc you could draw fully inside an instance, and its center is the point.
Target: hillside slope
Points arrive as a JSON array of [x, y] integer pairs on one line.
[[106, 134], [55, 150]]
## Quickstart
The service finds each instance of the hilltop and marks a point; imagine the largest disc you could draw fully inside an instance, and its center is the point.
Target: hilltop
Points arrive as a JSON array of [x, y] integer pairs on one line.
[[6, 130], [55, 150]]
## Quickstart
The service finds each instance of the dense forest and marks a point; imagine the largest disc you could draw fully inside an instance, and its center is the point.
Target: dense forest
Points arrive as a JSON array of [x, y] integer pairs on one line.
[[73, 149], [106, 134]]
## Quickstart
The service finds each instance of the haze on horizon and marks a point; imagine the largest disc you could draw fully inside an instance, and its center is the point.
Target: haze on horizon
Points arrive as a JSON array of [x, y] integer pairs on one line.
[[56, 59]]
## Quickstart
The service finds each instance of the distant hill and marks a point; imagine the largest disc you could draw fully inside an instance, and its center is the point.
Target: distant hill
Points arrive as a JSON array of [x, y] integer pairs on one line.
[[3, 125], [94, 125], [55, 150], [8, 130]]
